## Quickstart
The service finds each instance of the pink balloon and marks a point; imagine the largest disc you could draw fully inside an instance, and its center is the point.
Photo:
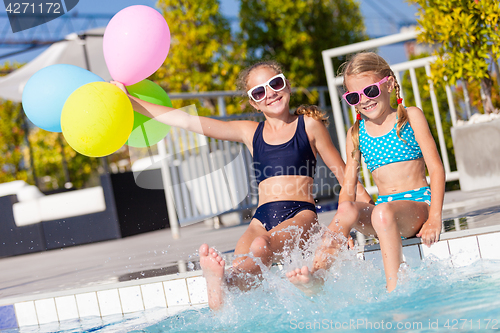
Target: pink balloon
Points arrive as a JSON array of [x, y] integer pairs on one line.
[[135, 44]]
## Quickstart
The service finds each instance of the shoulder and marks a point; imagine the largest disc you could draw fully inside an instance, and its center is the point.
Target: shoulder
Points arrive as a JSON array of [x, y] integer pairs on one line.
[[313, 124], [416, 118], [349, 131], [414, 113]]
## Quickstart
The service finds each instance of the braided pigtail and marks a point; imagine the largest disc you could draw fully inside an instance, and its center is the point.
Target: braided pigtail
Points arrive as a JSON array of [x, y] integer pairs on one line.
[[401, 111], [314, 112], [355, 134]]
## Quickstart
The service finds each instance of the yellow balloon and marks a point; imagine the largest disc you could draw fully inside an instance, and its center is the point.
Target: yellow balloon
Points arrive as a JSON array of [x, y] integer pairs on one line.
[[97, 119]]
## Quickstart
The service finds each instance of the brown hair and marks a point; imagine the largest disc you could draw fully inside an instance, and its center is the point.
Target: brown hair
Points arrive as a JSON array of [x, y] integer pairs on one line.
[[242, 82], [314, 112], [371, 62], [308, 110]]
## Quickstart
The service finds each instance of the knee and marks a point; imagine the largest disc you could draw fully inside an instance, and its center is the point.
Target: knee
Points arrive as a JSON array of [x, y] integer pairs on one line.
[[348, 209], [261, 246], [382, 217], [347, 215]]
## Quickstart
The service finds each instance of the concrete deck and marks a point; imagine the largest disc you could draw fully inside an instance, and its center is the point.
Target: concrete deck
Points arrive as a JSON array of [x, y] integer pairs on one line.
[[157, 253]]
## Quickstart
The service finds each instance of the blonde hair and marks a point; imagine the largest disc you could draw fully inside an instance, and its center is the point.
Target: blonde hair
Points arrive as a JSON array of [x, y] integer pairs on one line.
[[312, 111], [365, 62], [308, 110]]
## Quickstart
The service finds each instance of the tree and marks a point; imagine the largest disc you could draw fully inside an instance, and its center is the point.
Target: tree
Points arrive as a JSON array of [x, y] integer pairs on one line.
[[13, 164], [295, 32], [467, 40], [12, 136], [203, 55], [50, 151]]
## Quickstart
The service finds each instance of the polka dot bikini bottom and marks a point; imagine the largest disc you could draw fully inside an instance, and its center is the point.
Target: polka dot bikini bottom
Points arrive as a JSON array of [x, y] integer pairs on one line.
[[422, 194]]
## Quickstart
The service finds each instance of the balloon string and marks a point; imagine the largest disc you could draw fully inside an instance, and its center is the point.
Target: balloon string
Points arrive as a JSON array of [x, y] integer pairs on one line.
[[147, 143]]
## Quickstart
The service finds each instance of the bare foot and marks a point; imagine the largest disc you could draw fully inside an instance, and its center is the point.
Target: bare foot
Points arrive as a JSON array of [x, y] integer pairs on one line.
[[300, 277], [327, 252], [304, 280], [212, 265]]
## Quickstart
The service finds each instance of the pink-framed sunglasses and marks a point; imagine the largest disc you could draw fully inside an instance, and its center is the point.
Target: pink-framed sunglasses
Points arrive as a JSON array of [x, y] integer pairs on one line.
[[371, 91]]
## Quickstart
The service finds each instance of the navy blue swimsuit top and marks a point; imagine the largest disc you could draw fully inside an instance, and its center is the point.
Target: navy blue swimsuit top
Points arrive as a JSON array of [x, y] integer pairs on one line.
[[292, 158]]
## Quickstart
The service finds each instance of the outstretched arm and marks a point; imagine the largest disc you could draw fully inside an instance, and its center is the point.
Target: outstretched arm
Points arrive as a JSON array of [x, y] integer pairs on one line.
[[323, 144], [239, 131], [431, 229]]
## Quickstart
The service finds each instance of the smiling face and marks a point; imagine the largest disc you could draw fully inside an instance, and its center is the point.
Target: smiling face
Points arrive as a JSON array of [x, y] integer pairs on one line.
[[374, 107], [275, 102]]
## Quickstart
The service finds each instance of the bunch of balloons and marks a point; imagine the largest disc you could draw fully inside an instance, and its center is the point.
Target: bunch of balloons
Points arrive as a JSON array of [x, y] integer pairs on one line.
[[96, 117]]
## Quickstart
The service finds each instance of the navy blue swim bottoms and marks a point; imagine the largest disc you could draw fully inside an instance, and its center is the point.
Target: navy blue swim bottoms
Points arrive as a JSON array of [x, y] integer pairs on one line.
[[273, 213]]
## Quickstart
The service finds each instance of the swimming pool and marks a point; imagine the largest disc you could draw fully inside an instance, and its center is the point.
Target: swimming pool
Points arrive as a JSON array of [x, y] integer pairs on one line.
[[454, 285], [439, 297], [451, 288]]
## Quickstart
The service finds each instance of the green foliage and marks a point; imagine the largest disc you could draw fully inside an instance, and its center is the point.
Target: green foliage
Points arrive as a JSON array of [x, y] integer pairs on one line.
[[203, 55], [12, 162], [206, 56], [466, 36], [48, 150], [295, 32], [425, 96]]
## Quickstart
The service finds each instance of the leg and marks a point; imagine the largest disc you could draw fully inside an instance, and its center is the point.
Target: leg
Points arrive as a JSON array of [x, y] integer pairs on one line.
[[255, 229], [212, 265], [391, 220], [266, 246], [349, 215], [260, 243]]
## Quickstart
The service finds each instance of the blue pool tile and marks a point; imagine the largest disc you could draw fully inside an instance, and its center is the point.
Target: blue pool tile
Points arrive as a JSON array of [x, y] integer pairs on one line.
[[7, 317]]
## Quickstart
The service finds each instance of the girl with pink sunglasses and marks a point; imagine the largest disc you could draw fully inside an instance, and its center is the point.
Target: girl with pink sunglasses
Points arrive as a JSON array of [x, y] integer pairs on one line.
[[284, 149], [397, 146]]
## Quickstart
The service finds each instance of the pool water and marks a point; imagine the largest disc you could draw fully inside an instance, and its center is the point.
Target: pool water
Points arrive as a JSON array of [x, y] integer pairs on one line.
[[438, 297], [431, 297]]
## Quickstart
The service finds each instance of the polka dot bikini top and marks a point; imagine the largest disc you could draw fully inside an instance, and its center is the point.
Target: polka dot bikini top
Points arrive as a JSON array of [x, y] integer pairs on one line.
[[389, 148]]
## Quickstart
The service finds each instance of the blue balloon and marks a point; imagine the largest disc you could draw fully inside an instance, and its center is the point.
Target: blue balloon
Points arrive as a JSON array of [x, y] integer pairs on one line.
[[48, 89]]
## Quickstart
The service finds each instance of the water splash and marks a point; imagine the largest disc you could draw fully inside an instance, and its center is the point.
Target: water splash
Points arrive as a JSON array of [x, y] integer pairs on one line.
[[353, 298], [354, 294]]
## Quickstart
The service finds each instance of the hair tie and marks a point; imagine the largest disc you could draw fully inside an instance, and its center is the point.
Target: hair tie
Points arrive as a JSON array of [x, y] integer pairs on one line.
[[358, 116], [400, 100]]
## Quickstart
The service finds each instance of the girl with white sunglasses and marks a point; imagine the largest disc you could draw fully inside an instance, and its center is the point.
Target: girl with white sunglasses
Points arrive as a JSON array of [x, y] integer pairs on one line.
[[284, 149], [397, 146]]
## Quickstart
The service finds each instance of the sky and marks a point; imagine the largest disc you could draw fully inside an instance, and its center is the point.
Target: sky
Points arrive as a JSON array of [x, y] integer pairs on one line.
[[382, 17]]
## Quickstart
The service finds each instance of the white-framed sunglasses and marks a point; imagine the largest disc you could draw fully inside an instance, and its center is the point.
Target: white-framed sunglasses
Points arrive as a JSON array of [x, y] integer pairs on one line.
[[276, 83]]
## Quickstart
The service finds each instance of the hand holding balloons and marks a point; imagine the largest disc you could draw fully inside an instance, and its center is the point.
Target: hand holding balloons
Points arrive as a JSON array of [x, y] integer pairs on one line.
[[147, 131], [96, 117]]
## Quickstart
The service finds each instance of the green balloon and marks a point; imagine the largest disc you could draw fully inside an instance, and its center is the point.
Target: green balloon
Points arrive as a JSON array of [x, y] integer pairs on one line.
[[146, 131]]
